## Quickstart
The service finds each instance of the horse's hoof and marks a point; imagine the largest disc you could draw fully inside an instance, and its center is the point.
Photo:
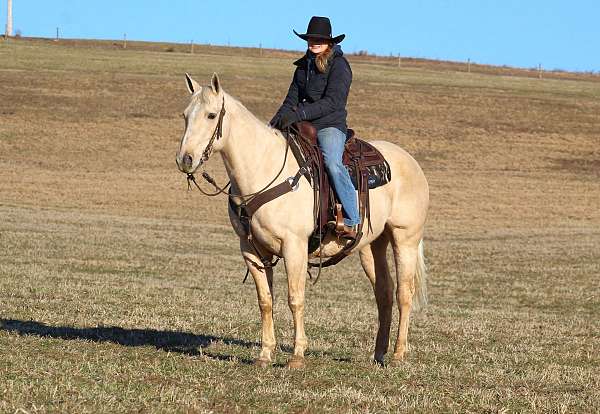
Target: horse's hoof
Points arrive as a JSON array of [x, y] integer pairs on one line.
[[262, 362], [379, 362], [396, 362], [296, 362]]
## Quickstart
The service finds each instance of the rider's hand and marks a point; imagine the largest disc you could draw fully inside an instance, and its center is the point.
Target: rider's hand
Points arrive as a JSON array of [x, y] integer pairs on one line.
[[288, 118], [274, 122]]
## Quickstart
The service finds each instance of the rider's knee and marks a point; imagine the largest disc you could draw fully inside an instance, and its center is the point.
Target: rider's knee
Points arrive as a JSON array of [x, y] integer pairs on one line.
[[334, 166]]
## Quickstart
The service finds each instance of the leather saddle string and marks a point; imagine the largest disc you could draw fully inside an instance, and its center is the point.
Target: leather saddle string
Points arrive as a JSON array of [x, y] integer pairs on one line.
[[318, 221], [362, 182]]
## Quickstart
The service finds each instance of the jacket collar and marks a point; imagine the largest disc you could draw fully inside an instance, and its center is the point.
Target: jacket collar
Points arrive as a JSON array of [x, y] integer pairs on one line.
[[337, 51]]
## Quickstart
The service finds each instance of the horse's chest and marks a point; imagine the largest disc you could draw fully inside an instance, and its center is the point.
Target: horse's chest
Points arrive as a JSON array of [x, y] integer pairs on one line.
[[266, 236], [256, 231]]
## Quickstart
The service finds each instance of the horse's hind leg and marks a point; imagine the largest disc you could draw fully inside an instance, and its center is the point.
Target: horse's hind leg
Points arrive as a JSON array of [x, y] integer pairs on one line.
[[406, 253], [374, 262], [263, 280]]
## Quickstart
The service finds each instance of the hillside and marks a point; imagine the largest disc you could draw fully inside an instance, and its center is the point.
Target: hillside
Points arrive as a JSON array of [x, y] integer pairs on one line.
[[121, 291]]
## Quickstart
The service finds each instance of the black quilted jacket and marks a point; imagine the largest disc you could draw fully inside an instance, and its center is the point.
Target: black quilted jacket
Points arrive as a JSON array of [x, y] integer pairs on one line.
[[319, 97]]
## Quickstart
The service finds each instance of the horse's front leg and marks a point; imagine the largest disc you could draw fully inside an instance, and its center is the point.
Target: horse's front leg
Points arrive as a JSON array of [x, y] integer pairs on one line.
[[295, 255], [263, 280]]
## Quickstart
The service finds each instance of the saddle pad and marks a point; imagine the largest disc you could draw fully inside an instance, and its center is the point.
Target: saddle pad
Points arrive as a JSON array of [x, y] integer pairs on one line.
[[367, 157], [378, 175]]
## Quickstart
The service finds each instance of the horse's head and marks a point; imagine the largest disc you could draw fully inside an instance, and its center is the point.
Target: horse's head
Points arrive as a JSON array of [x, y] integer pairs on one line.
[[203, 124]]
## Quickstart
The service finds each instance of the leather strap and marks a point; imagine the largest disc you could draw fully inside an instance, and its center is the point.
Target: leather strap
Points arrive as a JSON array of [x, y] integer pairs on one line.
[[339, 219], [272, 193], [363, 186]]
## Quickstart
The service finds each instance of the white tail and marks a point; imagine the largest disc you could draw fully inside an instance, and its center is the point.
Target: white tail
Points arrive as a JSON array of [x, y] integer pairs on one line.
[[420, 297]]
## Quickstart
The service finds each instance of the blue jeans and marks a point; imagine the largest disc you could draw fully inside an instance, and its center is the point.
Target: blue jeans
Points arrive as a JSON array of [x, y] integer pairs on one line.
[[332, 141]]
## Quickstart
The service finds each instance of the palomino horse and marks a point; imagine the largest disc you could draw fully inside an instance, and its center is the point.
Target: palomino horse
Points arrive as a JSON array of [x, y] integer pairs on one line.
[[253, 154]]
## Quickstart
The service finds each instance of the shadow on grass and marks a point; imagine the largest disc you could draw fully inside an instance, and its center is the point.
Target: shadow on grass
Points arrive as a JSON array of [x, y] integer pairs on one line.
[[170, 341]]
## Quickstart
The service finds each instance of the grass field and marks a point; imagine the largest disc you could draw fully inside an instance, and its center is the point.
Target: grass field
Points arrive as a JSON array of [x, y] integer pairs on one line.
[[121, 292]]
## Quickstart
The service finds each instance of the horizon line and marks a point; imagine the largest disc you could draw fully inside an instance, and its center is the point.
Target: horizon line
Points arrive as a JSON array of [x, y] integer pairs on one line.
[[359, 53]]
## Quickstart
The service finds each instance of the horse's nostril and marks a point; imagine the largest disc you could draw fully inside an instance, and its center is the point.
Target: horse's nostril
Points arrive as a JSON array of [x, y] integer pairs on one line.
[[187, 161]]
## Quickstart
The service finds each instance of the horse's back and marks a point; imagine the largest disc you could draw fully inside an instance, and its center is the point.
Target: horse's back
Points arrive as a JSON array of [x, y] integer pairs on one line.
[[408, 191]]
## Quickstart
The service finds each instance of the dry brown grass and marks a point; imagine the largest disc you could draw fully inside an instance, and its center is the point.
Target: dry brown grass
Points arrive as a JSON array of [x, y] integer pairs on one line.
[[120, 291]]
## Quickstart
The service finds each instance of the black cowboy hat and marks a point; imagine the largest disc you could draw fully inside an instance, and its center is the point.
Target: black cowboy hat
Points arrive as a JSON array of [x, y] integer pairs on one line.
[[320, 28]]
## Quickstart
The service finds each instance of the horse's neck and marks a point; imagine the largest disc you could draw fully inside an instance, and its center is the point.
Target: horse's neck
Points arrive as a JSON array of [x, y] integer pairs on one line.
[[253, 153]]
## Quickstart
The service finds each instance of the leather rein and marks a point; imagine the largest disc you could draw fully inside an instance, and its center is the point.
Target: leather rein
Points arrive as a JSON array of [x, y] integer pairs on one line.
[[218, 133], [249, 202]]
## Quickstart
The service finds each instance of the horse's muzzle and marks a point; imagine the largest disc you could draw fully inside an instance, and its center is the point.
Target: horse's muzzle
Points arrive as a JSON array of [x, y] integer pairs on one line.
[[186, 162]]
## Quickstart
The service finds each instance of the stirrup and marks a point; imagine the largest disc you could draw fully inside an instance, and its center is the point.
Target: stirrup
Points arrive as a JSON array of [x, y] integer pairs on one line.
[[339, 219]]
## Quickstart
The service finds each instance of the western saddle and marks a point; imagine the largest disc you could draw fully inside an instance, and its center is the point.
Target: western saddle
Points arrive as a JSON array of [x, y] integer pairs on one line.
[[367, 167]]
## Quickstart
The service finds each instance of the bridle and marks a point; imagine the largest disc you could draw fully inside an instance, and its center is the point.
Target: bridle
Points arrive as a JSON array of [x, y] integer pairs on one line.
[[249, 202], [217, 134]]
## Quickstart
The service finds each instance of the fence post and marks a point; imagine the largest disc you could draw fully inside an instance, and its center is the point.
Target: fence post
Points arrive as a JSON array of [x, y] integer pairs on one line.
[[399, 60], [540, 71], [192, 46], [469, 65], [57, 35], [124, 40], [9, 21]]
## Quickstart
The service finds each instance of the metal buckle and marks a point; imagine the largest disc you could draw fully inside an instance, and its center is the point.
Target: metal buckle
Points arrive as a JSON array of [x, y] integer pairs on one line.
[[291, 180]]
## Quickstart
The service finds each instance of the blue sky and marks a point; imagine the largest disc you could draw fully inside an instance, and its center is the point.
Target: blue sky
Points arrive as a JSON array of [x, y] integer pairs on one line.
[[558, 34]]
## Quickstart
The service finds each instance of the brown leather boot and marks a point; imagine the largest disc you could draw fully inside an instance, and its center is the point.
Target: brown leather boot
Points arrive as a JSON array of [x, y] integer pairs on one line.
[[349, 233]]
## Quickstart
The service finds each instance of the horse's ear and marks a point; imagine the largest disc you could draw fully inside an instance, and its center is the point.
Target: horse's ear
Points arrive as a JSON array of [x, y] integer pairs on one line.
[[215, 84], [192, 85]]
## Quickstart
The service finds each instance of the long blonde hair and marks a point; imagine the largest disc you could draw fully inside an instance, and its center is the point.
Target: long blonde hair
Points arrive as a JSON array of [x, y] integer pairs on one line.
[[323, 59]]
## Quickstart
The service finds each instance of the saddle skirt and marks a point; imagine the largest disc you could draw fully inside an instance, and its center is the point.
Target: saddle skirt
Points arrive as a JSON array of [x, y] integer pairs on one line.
[[368, 169]]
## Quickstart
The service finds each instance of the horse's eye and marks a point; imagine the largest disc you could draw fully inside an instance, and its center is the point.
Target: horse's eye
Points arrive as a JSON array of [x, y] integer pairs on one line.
[[212, 115]]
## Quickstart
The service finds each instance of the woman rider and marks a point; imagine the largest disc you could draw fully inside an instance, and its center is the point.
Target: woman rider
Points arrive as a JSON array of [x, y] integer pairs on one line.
[[318, 93]]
